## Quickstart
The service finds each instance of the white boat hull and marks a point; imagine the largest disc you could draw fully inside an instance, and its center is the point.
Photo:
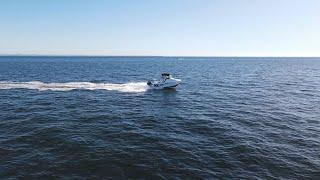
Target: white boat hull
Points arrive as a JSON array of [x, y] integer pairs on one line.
[[169, 83]]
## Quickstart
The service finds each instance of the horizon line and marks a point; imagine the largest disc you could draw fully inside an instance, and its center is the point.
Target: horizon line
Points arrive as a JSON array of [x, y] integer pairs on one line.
[[181, 56]]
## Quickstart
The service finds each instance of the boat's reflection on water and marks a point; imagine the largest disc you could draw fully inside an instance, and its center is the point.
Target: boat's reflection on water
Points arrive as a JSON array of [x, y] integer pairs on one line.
[[163, 91], [169, 90]]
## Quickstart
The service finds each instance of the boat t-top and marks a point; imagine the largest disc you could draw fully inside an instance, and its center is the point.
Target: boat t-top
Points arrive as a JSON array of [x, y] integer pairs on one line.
[[166, 81]]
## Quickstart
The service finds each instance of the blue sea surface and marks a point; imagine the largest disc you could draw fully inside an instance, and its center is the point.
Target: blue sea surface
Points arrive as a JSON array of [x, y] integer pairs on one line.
[[94, 117]]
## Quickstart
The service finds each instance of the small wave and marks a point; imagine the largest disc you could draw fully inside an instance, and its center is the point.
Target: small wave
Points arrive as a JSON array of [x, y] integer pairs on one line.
[[41, 86]]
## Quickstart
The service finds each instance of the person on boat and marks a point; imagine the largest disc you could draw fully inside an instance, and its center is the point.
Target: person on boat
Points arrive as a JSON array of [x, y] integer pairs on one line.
[[165, 76]]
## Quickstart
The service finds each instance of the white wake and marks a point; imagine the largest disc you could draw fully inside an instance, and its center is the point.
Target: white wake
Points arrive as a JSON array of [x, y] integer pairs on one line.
[[41, 86]]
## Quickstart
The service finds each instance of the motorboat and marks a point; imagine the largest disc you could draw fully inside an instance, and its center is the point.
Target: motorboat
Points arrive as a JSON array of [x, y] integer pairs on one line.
[[166, 81]]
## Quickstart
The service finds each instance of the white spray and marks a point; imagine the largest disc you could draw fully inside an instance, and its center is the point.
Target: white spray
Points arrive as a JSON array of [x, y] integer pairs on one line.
[[41, 86]]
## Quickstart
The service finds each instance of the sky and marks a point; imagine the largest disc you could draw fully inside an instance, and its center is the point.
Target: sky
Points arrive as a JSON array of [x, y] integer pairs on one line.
[[160, 27]]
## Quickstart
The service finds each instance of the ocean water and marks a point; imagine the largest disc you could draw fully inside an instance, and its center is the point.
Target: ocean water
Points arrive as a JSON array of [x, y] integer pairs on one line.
[[94, 117]]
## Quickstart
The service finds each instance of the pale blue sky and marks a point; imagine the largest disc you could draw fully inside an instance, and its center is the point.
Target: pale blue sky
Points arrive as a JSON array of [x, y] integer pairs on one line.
[[161, 27]]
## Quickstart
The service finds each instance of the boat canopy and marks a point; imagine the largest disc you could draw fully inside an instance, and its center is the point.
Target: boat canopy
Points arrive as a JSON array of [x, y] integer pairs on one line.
[[165, 74]]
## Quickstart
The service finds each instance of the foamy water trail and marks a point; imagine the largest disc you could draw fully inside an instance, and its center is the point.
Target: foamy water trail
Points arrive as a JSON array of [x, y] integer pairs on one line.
[[41, 86]]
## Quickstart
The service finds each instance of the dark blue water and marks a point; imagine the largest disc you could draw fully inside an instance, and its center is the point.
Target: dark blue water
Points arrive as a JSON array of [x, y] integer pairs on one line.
[[86, 117]]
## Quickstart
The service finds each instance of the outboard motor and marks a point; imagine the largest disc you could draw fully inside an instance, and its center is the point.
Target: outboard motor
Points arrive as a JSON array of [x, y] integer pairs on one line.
[[149, 83]]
